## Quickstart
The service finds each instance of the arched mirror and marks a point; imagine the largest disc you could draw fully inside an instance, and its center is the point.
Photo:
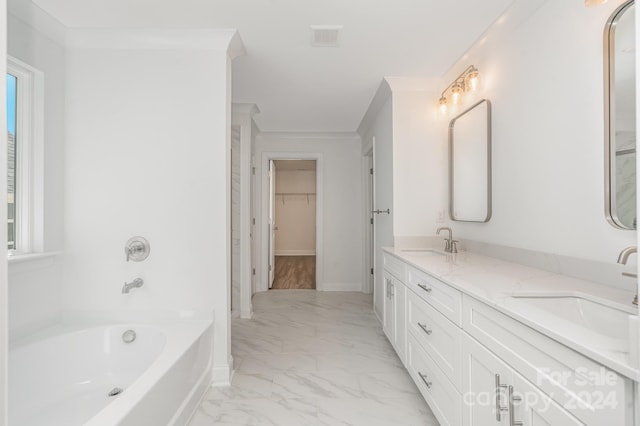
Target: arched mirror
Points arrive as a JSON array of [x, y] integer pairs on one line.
[[620, 117]]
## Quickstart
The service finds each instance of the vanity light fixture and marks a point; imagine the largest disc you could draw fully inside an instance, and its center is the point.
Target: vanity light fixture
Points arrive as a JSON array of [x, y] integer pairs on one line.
[[443, 104], [465, 82], [456, 93], [590, 3]]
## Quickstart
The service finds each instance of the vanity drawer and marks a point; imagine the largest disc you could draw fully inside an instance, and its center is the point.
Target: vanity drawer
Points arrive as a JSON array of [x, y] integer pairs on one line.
[[441, 338], [588, 390], [443, 399], [395, 266], [446, 299]]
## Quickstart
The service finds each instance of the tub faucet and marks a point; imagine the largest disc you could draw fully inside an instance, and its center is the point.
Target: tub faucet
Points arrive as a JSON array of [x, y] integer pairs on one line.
[[622, 259], [449, 243], [137, 283]]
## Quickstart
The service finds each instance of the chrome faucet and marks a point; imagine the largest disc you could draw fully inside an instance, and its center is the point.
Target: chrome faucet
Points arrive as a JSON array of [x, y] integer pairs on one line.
[[449, 243], [137, 283], [622, 259]]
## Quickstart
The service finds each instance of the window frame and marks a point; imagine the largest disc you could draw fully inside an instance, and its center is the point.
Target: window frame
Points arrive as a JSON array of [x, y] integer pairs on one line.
[[29, 157]]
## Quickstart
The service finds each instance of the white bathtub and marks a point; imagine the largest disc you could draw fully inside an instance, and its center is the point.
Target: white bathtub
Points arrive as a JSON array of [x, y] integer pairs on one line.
[[63, 376]]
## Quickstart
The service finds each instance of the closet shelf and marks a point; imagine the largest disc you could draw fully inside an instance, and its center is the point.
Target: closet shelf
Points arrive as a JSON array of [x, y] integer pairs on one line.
[[307, 194]]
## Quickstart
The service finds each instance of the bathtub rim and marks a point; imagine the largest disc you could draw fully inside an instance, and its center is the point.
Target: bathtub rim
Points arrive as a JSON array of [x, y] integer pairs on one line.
[[182, 330]]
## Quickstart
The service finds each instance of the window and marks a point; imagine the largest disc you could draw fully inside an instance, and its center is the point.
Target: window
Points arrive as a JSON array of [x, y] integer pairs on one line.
[[12, 82], [25, 106]]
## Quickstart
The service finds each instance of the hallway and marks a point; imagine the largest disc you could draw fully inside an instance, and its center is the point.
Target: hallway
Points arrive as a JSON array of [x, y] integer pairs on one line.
[[314, 358]]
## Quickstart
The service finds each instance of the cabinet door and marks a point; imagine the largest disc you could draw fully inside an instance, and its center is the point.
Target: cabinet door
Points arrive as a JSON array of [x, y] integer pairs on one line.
[[388, 320], [533, 408], [399, 293], [484, 377]]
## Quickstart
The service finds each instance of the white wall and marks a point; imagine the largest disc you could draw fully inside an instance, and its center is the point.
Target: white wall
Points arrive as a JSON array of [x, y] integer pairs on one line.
[[545, 80], [419, 186], [148, 154], [42, 278], [409, 159], [3, 233], [341, 237], [295, 214]]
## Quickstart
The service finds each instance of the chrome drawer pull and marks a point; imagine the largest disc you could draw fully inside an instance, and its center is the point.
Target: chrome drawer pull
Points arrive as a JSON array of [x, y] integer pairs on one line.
[[425, 329], [424, 379], [499, 407], [425, 288], [512, 397]]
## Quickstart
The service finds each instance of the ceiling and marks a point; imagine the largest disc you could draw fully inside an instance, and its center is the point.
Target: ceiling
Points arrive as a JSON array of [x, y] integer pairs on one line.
[[297, 87]]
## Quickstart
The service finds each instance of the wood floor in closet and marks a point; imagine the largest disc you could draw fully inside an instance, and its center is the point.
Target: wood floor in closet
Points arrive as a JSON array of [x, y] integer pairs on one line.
[[295, 272]]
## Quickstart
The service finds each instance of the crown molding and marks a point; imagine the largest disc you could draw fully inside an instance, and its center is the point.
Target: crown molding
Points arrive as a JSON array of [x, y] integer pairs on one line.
[[154, 39]]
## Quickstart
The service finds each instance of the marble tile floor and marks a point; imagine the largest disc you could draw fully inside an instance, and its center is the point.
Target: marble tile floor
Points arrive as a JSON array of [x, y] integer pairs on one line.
[[312, 358]]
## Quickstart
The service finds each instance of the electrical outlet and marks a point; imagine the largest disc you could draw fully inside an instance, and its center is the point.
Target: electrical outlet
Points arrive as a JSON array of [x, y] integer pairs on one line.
[[440, 216]]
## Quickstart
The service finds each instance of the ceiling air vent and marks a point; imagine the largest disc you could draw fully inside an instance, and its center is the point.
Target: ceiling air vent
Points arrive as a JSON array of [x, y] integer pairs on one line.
[[325, 35]]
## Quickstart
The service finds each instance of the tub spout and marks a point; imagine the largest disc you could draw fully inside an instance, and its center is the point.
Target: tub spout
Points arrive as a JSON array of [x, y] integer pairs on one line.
[[137, 283]]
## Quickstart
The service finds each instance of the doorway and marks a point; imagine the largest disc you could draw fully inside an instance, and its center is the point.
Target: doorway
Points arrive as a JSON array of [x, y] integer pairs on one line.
[[292, 224]]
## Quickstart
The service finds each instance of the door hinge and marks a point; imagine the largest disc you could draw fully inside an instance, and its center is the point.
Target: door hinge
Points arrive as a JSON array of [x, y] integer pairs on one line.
[[270, 268], [371, 171], [371, 220], [371, 271], [254, 220], [253, 170], [254, 271]]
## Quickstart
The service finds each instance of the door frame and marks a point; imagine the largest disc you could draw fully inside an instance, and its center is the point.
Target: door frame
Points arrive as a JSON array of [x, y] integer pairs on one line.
[[368, 183], [263, 283], [271, 218]]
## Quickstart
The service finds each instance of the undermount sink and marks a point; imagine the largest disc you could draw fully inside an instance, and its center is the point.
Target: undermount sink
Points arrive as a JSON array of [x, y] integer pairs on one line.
[[420, 252], [590, 314]]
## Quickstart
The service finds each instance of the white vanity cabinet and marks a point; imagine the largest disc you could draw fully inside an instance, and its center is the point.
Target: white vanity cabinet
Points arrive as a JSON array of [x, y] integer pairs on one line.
[[394, 321], [589, 391], [443, 398], [477, 366], [433, 339], [497, 395]]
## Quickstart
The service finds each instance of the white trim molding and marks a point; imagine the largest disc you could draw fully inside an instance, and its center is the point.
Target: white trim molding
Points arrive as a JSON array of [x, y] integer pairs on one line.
[[242, 115]]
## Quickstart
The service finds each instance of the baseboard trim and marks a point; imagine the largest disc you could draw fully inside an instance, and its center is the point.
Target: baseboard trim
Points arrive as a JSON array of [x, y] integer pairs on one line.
[[221, 375], [339, 287], [295, 252]]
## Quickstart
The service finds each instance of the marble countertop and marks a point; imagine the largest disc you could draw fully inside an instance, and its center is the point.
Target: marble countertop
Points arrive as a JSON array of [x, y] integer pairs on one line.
[[494, 282]]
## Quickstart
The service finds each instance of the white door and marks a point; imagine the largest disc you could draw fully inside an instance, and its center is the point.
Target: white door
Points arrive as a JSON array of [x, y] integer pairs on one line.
[[485, 386], [534, 408], [388, 308], [272, 225], [399, 294], [370, 227], [254, 254], [383, 222]]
